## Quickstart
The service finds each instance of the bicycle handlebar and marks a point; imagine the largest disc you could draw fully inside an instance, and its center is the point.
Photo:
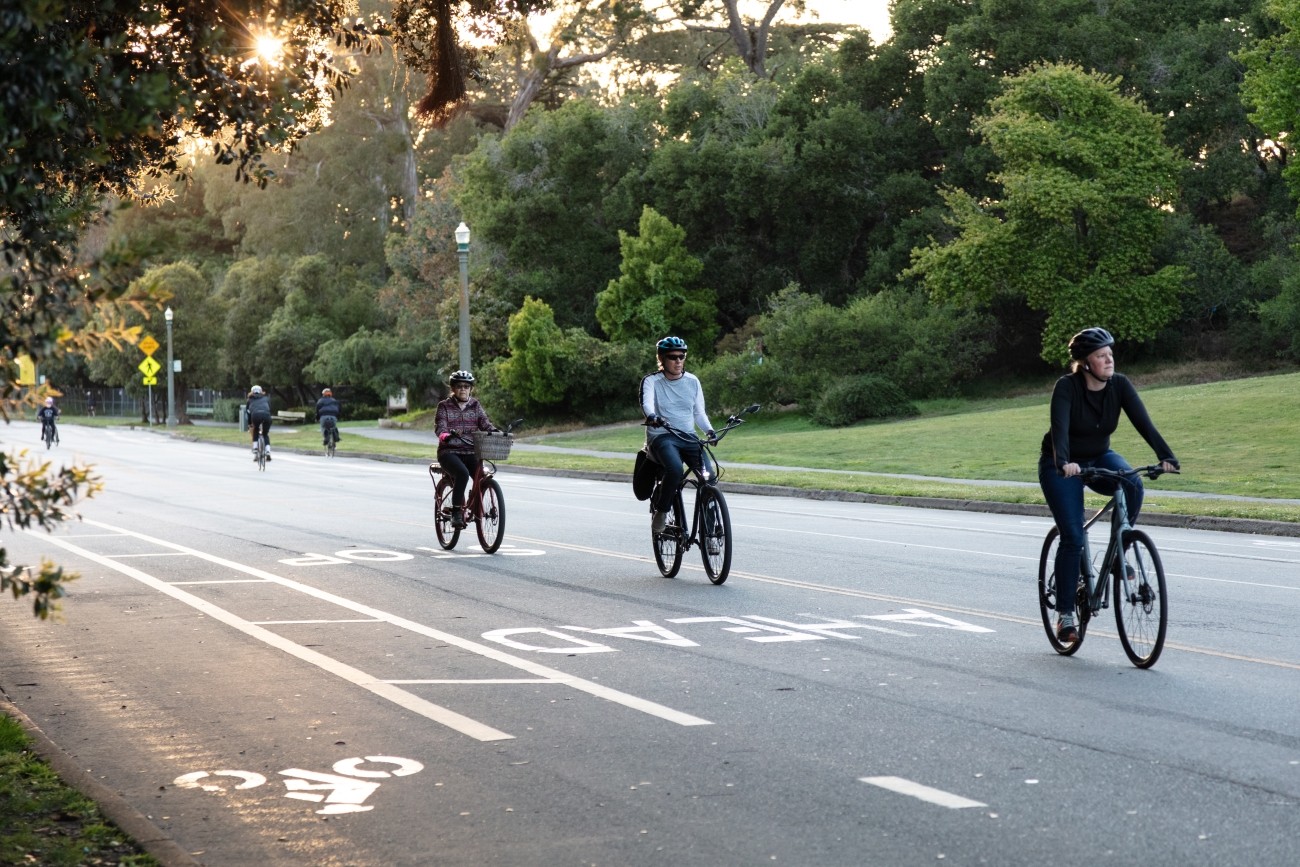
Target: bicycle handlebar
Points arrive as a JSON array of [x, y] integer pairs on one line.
[[1152, 471], [733, 422], [468, 441]]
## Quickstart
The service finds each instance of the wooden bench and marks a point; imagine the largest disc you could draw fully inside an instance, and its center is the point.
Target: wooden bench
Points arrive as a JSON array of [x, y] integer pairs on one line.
[[289, 417]]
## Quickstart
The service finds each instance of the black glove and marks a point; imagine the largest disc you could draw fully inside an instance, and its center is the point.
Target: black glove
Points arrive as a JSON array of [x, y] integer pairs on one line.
[[654, 421], [711, 436]]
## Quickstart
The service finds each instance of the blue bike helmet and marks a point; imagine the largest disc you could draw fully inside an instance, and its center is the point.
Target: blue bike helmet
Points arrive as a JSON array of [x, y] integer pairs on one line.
[[668, 344]]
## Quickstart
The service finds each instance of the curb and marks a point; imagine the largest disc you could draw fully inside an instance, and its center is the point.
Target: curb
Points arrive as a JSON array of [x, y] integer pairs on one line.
[[1149, 518], [1253, 526], [115, 808]]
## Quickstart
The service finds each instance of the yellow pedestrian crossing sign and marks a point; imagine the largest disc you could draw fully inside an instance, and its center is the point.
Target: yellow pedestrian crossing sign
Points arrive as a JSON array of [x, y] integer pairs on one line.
[[148, 345], [150, 380], [149, 367]]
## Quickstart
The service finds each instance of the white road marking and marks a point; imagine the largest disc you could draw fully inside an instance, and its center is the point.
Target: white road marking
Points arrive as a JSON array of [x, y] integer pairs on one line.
[[398, 696], [923, 793]]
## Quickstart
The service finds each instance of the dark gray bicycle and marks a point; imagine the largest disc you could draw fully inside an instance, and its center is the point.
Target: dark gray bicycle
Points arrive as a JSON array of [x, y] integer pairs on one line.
[[710, 525], [1132, 569]]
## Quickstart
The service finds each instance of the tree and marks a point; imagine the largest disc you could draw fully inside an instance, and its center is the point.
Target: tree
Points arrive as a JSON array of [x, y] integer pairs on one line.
[[1272, 87], [196, 343], [1084, 176], [532, 372], [658, 291]]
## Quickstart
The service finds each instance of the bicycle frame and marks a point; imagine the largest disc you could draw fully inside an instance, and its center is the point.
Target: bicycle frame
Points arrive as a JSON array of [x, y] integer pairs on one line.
[[1098, 587]]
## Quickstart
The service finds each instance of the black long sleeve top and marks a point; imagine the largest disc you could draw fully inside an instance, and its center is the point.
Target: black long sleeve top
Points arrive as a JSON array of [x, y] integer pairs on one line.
[[1083, 420]]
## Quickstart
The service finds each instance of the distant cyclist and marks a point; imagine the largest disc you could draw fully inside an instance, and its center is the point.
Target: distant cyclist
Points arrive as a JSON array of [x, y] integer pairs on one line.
[[459, 414], [672, 395], [328, 411], [48, 415], [259, 418], [1085, 409]]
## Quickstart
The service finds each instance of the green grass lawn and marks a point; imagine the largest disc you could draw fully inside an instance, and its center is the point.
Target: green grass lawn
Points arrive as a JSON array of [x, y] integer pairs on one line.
[[44, 822], [1233, 437]]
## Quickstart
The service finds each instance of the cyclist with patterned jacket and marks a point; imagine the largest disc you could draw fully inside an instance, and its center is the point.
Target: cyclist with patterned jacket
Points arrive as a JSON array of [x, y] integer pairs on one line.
[[672, 395], [1085, 408], [459, 414]]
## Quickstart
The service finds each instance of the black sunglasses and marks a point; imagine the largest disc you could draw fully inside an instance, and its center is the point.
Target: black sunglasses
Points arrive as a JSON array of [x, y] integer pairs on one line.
[[675, 357]]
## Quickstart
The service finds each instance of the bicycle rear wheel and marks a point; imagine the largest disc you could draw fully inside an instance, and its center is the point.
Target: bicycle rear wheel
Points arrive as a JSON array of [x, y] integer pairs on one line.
[[668, 544], [333, 440], [261, 454], [491, 520], [448, 533], [715, 534], [1047, 598], [1141, 607]]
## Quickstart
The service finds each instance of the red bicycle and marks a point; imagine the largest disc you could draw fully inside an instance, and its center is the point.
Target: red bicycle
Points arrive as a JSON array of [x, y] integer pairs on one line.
[[484, 504]]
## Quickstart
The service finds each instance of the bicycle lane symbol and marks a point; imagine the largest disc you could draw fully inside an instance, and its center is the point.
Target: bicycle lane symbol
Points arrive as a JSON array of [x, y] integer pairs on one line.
[[344, 791]]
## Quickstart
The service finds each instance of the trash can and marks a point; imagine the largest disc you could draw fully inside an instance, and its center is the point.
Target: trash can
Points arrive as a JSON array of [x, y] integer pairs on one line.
[[243, 418]]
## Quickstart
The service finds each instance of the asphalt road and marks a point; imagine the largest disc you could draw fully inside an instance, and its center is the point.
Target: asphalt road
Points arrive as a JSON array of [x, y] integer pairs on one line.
[[284, 668]]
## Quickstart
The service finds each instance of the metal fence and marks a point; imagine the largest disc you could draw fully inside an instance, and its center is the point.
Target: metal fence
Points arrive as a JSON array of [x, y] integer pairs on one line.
[[116, 403]]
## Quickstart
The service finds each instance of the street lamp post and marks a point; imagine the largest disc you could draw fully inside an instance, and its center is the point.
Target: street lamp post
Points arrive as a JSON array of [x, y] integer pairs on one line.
[[462, 250], [171, 372]]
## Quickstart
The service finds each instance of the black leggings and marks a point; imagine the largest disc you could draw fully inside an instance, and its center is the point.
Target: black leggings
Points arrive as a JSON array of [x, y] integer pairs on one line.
[[461, 466], [260, 422]]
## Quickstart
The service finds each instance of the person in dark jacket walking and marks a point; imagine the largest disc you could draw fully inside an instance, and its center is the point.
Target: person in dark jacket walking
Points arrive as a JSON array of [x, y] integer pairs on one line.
[[1085, 409]]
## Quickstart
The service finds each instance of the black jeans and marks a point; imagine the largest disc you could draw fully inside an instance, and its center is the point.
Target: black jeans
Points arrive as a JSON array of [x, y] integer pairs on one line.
[[461, 466]]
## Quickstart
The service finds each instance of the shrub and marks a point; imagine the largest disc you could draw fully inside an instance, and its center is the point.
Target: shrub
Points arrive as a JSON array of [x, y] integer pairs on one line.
[[851, 399], [226, 409]]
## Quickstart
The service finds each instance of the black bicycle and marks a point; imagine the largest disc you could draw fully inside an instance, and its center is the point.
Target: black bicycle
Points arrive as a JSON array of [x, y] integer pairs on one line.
[[50, 434], [484, 503], [330, 431], [1132, 569], [710, 525]]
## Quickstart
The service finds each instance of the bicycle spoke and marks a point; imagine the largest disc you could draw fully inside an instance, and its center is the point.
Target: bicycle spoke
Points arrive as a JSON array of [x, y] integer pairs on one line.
[[1141, 611], [715, 534], [491, 520]]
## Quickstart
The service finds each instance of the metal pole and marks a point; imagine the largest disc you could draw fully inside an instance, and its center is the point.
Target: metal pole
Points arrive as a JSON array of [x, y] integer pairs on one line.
[[463, 250], [171, 374]]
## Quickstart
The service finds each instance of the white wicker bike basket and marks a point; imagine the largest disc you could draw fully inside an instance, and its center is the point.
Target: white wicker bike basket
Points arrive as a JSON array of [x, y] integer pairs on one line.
[[492, 445]]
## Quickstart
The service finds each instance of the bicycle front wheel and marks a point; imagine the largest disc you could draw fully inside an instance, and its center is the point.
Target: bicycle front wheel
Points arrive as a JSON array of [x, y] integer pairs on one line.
[[491, 521], [668, 544], [715, 534], [1141, 607], [448, 532], [1047, 597]]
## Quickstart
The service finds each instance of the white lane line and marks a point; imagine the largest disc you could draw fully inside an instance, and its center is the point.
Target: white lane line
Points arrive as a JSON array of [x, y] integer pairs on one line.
[[400, 697], [923, 793], [314, 623], [154, 554], [481, 680], [494, 653]]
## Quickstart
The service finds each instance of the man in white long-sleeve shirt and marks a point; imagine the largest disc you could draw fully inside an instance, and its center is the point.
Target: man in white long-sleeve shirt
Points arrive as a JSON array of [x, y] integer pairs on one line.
[[673, 396]]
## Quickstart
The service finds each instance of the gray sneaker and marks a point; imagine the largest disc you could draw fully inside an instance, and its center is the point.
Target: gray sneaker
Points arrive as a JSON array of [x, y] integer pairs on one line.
[[1066, 632], [658, 521]]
